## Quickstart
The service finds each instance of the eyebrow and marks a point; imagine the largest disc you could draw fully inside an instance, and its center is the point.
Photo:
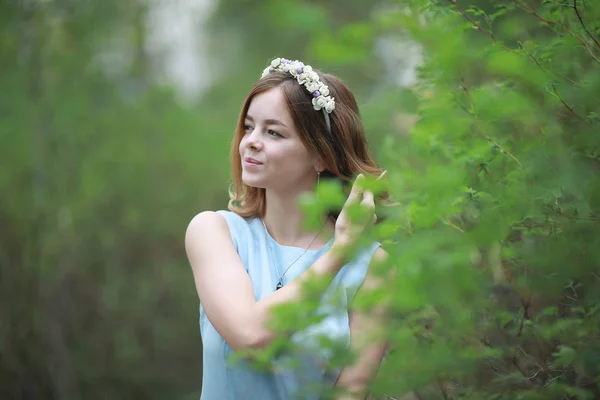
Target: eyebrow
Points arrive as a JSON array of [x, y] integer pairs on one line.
[[268, 121]]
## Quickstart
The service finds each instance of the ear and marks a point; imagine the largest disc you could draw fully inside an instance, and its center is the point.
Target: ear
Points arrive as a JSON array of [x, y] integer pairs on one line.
[[318, 163], [319, 166]]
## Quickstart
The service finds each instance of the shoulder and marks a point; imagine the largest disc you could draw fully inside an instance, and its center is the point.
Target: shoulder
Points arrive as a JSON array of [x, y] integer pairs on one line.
[[205, 224], [215, 220], [354, 274], [373, 278], [368, 254], [210, 231], [380, 255], [222, 222]]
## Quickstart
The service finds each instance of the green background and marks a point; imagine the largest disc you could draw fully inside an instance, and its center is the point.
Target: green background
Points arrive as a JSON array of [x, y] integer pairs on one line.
[[493, 153]]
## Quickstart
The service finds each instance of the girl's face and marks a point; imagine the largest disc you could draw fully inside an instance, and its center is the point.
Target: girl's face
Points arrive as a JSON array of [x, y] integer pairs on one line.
[[272, 154]]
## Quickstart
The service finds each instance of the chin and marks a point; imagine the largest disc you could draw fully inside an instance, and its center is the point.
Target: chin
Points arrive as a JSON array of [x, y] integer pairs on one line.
[[256, 183]]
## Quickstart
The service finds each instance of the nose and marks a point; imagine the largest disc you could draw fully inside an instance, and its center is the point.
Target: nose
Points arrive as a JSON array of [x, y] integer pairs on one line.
[[252, 140]]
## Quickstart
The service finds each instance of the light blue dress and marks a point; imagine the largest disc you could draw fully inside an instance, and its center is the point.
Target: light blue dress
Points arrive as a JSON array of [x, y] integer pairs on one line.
[[224, 380]]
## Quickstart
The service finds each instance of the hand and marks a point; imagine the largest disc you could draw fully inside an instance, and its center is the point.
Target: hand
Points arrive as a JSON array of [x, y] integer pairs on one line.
[[356, 215]]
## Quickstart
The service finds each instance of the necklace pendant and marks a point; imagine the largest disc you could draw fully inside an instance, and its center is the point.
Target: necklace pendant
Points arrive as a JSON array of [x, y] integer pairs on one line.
[[279, 285]]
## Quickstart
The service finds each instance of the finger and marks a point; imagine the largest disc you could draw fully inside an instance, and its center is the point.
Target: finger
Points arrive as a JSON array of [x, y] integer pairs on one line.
[[368, 200], [374, 219], [356, 191], [382, 176]]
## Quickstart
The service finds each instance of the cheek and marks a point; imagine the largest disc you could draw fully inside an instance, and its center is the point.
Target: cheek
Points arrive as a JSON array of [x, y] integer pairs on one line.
[[242, 145], [285, 154], [293, 161]]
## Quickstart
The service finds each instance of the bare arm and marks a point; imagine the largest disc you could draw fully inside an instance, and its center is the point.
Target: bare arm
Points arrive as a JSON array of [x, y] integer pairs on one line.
[[366, 340]]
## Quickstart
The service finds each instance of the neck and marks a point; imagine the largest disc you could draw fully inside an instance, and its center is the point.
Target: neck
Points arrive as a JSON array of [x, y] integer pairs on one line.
[[285, 222]]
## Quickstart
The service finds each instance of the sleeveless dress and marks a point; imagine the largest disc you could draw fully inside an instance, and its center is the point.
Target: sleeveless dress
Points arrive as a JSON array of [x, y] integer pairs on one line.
[[262, 256]]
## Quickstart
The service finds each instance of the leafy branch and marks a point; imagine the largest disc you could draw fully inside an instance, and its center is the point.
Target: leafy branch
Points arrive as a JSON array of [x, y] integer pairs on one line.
[[489, 139], [493, 37], [561, 26], [471, 20], [448, 222], [583, 24], [537, 62], [490, 34], [566, 105]]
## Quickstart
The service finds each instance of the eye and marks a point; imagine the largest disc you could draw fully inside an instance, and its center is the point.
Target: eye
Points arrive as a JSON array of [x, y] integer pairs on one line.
[[273, 133], [248, 127]]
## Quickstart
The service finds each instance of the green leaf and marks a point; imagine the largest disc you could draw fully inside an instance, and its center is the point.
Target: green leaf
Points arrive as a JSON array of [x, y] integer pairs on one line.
[[564, 357]]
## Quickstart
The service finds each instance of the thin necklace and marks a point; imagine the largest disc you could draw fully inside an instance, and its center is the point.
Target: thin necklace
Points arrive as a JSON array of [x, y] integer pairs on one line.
[[280, 282]]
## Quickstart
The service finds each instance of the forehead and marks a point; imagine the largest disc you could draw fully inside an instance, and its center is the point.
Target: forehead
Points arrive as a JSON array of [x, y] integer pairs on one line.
[[269, 104]]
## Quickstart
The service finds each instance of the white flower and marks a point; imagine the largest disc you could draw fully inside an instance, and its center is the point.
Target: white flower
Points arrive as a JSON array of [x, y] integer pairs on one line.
[[275, 63], [330, 104], [294, 66], [312, 86], [319, 102], [291, 68], [265, 72], [307, 77], [303, 78]]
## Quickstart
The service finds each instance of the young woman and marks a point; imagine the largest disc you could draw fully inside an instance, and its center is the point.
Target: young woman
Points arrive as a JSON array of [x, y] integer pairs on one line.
[[296, 126]]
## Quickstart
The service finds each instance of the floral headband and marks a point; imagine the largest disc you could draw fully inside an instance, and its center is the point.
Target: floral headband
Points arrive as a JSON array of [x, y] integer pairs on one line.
[[310, 79]]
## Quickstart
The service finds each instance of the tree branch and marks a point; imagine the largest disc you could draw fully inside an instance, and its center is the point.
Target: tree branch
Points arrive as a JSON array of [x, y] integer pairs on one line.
[[515, 362], [566, 105], [448, 222], [471, 20], [563, 27], [583, 24], [502, 149], [535, 60], [493, 37]]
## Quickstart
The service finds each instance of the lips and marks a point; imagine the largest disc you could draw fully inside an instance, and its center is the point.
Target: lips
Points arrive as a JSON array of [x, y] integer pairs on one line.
[[253, 161]]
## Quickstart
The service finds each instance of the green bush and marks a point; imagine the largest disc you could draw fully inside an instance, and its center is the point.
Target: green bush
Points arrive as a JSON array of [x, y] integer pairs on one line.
[[496, 237]]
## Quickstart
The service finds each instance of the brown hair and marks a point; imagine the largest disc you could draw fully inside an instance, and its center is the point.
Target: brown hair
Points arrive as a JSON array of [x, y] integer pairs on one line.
[[343, 150]]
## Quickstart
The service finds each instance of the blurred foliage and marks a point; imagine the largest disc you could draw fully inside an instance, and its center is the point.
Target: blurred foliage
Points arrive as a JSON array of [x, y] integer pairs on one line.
[[99, 177], [495, 241], [492, 155]]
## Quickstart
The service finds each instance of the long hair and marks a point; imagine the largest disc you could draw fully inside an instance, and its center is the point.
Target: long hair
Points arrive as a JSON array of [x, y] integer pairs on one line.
[[343, 150]]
